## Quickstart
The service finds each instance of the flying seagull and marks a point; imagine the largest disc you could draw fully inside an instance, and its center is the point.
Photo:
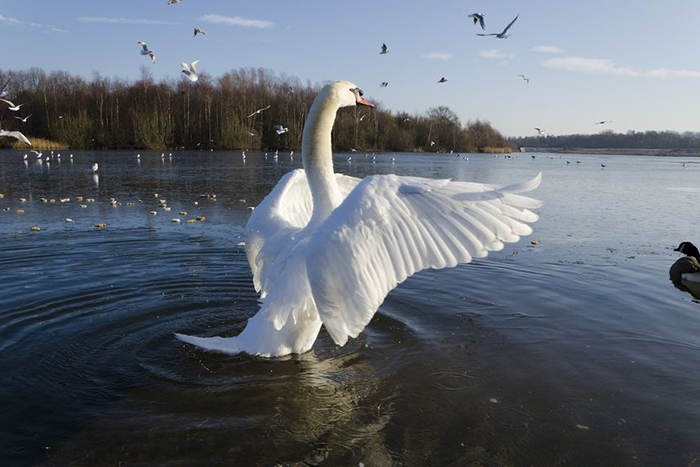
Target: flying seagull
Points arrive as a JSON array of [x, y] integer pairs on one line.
[[199, 31], [259, 111], [280, 129], [3, 90], [504, 33], [385, 50], [525, 78], [16, 135], [442, 80], [173, 2], [540, 131], [24, 120], [603, 122], [13, 107], [147, 52], [384, 84], [478, 18], [190, 70]]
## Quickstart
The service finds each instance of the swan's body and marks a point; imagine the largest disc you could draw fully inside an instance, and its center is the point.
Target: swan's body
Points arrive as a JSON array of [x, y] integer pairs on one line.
[[326, 249]]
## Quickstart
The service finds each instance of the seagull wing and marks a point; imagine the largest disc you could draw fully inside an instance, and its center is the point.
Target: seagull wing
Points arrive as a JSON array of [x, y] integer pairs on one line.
[[481, 22], [510, 24], [193, 66], [492, 34], [185, 66], [152, 56], [144, 45], [16, 135], [3, 89], [10, 103], [390, 227]]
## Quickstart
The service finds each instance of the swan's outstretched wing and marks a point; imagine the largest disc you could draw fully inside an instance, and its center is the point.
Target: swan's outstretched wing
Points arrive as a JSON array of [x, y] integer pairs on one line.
[[391, 227], [284, 212]]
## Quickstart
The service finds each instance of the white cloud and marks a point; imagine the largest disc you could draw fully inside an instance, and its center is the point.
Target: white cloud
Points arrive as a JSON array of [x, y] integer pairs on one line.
[[604, 66], [601, 66], [495, 53], [547, 49], [236, 21], [7, 20], [45, 27], [437, 56], [108, 20]]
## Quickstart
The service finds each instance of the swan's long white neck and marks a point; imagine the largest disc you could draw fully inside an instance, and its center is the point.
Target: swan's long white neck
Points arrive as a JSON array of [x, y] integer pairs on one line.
[[317, 155]]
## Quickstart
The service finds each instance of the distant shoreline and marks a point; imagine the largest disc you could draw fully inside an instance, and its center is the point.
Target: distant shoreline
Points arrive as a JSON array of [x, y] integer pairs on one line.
[[617, 151]]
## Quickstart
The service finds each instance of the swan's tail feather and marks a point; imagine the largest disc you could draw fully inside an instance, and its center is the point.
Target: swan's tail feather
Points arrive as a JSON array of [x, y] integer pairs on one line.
[[226, 345]]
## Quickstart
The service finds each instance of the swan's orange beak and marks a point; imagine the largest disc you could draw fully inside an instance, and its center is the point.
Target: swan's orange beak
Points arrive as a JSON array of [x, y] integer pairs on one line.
[[362, 101]]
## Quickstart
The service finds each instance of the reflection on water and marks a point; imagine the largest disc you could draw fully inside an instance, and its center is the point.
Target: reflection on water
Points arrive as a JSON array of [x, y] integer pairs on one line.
[[574, 350]]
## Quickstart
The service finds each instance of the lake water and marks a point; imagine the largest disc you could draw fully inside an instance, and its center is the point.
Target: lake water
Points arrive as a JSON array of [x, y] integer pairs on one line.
[[575, 350]]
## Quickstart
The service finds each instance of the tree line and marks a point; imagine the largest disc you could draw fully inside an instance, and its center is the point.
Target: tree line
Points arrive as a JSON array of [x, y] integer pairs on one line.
[[104, 113], [610, 139]]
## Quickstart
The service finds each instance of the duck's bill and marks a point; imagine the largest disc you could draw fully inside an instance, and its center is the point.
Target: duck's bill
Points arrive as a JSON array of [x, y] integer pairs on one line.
[[362, 101]]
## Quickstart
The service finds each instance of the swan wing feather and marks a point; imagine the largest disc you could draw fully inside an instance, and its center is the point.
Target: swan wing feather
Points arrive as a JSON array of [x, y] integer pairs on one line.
[[390, 227], [283, 213]]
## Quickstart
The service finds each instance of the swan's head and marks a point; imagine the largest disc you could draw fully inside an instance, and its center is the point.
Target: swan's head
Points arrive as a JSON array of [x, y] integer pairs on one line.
[[347, 94], [688, 249]]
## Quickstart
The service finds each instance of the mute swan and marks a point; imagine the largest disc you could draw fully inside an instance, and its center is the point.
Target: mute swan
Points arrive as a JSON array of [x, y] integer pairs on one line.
[[326, 249]]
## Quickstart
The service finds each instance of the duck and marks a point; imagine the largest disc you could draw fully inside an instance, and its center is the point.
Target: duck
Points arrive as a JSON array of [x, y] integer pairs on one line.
[[686, 268], [325, 249]]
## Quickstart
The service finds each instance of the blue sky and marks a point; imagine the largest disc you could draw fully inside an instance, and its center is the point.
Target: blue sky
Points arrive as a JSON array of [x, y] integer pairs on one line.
[[636, 63]]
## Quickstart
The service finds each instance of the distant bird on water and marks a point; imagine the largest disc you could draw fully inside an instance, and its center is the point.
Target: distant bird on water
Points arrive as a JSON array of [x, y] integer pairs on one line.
[[12, 106], [503, 34], [95, 167], [24, 120], [15, 134], [190, 70], [385, 50], [259, 111], [147, 52], [478, 18], [281, 129], [524, 78], [199, 31], [603, 122], [442, 80]]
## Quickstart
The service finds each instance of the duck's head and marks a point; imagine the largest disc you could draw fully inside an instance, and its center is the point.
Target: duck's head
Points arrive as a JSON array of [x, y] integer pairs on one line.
[[347, 94], [688, 249]]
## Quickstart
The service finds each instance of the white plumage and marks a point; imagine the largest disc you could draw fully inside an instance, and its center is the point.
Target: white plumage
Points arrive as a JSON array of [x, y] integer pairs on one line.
[[325, 249], [190, 70]]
